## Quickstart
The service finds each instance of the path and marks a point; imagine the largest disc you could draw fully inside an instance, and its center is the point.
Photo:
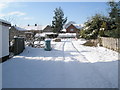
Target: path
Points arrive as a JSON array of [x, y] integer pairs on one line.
[[63, 67]]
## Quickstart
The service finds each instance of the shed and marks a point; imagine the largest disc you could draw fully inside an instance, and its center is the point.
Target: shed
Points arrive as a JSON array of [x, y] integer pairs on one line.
[[4, 40]]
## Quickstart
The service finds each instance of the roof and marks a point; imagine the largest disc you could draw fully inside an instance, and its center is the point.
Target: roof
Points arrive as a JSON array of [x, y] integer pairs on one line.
[[19, 28], [64, 30], [3, 21], [31, 27], [78, 26]]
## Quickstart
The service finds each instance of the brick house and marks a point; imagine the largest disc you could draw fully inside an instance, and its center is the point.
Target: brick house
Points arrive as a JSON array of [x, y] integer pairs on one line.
[[73, 28]]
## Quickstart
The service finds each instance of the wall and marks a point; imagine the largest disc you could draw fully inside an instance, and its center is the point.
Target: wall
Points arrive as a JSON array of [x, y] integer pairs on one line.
[[71, 27], [111, 43], [0, 39], [5, 40]]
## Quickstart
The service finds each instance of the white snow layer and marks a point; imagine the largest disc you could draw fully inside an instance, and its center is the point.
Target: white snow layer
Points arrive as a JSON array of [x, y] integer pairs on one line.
[[1, 20], [68, 65]]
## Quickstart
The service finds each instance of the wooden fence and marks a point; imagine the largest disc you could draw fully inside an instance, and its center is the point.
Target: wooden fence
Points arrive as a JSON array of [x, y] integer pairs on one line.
[[111, 43]]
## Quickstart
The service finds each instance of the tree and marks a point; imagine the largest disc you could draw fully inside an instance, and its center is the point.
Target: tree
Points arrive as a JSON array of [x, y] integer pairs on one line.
[[58, 20], [114, 13], [94, 25]]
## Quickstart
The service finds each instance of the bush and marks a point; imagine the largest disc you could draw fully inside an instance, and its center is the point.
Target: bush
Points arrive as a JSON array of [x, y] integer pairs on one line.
[[90, 43]]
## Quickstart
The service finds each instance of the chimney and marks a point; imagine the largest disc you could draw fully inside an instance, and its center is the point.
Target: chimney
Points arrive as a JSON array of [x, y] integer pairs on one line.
[[35, 24]]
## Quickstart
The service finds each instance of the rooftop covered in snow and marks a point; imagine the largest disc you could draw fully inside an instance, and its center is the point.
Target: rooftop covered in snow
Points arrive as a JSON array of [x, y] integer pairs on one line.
[[78, 26], [19, 28], [4, 21], [31, 27]]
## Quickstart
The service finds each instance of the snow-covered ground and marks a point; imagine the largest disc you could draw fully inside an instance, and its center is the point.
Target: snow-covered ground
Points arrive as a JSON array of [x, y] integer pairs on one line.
[[68, 65]]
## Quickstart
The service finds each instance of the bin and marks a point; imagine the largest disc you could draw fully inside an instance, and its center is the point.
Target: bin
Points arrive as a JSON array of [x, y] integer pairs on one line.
[[18, 45], [48, 45]]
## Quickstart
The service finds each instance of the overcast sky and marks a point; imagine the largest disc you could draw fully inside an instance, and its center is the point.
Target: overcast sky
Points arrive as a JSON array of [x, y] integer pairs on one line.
[[23, 13]]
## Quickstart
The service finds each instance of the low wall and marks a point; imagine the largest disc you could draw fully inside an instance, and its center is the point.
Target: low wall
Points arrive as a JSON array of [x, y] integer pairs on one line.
[[111, 43]]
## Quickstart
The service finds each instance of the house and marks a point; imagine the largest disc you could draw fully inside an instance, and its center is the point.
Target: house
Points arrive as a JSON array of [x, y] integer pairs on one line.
[[72, 28], [21, 31], [33, 28], [4, 40]]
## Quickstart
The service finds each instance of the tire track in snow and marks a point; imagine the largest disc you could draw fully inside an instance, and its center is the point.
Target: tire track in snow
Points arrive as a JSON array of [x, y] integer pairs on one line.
[[61, 47], [95, 69], [79, 52]]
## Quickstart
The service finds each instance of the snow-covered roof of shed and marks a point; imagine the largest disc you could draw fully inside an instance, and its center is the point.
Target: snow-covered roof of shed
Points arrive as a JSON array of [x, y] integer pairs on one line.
[[64, 30], [1, 20]]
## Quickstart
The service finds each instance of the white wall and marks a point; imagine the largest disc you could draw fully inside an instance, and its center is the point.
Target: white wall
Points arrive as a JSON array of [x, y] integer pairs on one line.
[[0, 40], [4, 41]]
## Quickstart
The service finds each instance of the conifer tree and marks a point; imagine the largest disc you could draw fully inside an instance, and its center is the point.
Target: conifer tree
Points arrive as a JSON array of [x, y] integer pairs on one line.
[[58, 20]]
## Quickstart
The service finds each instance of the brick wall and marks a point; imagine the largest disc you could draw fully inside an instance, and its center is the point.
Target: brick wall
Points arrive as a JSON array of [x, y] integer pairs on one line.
[[68, 30]]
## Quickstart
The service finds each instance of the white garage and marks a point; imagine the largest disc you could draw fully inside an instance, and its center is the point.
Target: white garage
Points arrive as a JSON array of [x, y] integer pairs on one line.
[[4, 39]]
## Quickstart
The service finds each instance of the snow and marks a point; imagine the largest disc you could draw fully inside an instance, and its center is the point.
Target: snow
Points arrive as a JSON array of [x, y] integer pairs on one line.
[[67, 35], [40, 35], [1, 20], [68, 65], [44, 34], [19, 28], [78, 26], [33, 27], [64, 30]]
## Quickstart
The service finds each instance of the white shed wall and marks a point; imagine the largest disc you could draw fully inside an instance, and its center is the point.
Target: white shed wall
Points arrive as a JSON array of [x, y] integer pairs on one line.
[[0, 40], [4, 41]]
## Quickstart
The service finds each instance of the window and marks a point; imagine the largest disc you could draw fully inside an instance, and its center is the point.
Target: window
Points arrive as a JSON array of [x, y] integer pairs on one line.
[[72, 29]]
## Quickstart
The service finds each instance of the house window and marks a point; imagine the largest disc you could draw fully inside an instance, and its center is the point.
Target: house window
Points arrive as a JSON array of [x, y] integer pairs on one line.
[[72, 30]]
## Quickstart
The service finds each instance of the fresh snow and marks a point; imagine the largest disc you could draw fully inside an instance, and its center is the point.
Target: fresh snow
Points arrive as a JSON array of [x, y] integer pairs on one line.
[[1, 20], [62, 35], [68, 65]]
